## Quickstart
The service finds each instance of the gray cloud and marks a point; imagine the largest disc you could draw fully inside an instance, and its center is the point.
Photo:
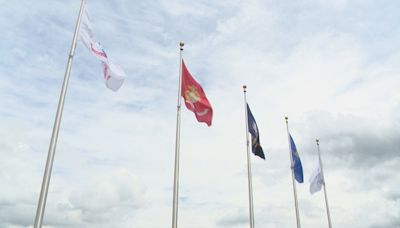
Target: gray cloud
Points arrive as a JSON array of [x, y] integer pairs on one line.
[[234, 219], [331, 66], [362, 142]]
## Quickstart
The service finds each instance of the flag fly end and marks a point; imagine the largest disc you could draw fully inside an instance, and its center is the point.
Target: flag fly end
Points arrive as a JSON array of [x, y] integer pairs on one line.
[[114, 75]]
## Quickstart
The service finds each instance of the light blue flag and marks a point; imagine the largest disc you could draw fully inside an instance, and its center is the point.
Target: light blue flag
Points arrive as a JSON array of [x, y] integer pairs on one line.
[[297, 167]]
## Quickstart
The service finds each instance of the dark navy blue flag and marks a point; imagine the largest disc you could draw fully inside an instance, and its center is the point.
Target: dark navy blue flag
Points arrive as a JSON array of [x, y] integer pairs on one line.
[[255, 137], [297, 167]]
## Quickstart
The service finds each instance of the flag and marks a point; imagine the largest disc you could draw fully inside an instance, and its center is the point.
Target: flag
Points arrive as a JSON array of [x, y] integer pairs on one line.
[[255, 136], [114, 75], [297, 167], [316, 180], [195, 98]]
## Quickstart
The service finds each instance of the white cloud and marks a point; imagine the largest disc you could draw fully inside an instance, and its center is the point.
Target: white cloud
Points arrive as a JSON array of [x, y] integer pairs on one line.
[[331, 66]]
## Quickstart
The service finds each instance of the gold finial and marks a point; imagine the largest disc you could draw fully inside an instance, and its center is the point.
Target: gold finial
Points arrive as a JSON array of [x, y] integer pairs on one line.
[[244, 88], [181, 44]]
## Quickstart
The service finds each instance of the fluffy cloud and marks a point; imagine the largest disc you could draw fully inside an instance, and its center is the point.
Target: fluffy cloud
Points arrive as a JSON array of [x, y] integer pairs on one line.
[[331, 66]]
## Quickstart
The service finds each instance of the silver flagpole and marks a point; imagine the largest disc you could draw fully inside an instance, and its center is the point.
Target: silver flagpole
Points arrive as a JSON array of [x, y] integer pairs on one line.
[[323, 176], [53, 142], [251, 207], [177, 145], [294, 183]]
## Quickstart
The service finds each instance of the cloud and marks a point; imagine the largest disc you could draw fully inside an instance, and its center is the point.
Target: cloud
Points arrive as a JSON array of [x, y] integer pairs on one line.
[[330, 66], [234, 219], [118, 195], [362, 142]]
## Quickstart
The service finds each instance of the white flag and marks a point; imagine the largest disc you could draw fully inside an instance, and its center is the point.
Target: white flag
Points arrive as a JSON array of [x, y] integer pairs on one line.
[[316, 180], [114, 75]]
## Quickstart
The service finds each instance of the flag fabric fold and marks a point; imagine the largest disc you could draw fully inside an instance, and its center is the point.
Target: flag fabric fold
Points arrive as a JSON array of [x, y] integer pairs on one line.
[[255, 136], [114, 75], [297, 167], [316, 180], [195, 98]]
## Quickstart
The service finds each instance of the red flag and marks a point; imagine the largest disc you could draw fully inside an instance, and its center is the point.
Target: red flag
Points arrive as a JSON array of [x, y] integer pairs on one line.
[[195, 98]]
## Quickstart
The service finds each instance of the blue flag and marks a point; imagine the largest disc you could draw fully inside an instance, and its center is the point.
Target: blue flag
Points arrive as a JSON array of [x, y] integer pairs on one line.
[[297, 167], [255, 137]]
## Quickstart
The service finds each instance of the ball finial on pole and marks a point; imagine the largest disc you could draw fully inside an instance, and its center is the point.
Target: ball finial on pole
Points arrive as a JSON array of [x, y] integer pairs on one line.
[[244, 88], [317, 140], [181, 44]]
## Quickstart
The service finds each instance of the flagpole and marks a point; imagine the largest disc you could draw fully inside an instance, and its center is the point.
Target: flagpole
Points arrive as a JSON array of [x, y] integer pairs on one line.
[[177, 144], [323, 177], [292, 168], [251, 207], [54, 136]]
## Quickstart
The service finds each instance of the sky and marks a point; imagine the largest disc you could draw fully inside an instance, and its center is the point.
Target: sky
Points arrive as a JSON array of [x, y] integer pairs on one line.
[[331, 66]]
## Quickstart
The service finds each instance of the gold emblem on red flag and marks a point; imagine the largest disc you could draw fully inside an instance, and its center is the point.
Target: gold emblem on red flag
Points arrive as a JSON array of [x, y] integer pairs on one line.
[[192, 95]]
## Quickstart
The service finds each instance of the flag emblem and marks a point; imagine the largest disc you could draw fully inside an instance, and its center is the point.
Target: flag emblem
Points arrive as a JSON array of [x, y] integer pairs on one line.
[[192, 95]]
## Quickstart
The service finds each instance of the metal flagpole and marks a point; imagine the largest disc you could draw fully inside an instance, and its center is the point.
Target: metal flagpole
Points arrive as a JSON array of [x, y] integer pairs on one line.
[[251, 207], [292, 168], [177, 145], [323, 176], [53, 142]]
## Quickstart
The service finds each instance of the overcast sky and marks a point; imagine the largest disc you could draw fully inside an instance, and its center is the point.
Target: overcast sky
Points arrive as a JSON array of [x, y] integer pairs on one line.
[[331, 66]]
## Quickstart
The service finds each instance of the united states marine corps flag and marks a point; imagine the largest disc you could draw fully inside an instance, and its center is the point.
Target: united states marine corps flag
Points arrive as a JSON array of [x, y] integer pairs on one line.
[[195, 98], [196, 101]]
